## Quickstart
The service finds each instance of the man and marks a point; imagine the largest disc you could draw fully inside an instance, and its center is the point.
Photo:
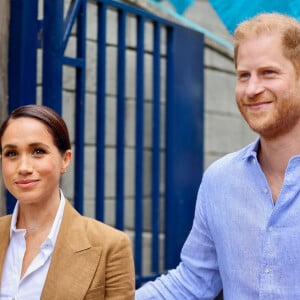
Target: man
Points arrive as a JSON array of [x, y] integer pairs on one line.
[[245, 237]]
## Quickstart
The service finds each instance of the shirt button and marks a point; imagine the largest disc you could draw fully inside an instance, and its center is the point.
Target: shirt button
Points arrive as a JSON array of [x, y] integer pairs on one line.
[[267, 270], [265, 190]]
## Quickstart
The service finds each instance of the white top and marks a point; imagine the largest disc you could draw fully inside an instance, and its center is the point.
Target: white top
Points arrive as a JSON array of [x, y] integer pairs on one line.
[[31, 285]]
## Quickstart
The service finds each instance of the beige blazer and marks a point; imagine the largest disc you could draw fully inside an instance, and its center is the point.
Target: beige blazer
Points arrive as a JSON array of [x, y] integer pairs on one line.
[[90, 260]]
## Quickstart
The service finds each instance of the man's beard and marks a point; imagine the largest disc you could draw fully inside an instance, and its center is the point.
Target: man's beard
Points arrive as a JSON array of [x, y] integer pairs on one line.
[[276, 120]]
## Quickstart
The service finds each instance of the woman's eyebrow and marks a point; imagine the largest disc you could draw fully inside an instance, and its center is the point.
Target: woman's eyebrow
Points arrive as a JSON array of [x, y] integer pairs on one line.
[[9, 146]]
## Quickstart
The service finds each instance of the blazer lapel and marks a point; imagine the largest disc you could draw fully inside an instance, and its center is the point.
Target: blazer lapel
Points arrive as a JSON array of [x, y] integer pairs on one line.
[[74, 261]]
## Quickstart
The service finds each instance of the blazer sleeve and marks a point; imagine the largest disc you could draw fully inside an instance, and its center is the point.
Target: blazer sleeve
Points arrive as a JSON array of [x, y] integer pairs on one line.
[[120, 275]]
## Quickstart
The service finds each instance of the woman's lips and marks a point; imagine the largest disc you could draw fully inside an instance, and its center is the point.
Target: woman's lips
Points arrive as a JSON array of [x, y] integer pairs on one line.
[[26, 183]]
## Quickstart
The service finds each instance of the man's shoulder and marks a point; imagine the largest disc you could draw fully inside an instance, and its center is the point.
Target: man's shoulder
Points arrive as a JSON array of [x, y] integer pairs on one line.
[[233, 160]]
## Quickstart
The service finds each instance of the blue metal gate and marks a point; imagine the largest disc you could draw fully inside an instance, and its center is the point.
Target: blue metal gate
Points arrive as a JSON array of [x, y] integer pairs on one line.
[[176, 53]]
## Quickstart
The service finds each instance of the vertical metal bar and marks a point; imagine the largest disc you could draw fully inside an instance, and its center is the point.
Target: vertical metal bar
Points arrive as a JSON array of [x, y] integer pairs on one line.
[[22, 53], [139, 144], [80, 109], [184, 147], [120, 120], [100, 128], [52, 54], [169, 212], [156, 148], [22, 67]]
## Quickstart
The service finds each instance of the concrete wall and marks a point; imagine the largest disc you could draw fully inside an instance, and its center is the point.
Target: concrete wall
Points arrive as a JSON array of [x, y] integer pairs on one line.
[[4, 23], [90, 132], [225, 130]]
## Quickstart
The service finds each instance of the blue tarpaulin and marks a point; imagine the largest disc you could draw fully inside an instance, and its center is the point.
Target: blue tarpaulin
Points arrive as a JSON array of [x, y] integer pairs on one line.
[[191, 24], [181, 5], [232, 12]]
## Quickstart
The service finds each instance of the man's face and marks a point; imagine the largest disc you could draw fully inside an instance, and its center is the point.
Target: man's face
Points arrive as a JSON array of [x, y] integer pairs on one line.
[[267, 89]]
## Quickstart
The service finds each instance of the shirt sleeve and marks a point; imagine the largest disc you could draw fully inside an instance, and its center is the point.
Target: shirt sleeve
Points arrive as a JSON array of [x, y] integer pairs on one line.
[[197, 275]]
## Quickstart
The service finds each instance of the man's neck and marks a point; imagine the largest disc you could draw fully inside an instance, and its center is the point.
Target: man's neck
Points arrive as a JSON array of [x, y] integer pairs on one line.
[[274, 156]]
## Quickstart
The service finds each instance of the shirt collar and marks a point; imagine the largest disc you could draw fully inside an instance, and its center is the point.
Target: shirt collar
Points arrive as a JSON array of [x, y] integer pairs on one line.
[[55, 226], [251, 150]]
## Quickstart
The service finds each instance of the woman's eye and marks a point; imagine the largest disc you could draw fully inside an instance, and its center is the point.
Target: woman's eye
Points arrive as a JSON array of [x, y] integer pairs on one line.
[[9, 154], [39, 152]]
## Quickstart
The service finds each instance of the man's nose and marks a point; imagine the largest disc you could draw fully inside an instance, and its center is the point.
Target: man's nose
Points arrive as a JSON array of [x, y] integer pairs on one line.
[[254, 87]]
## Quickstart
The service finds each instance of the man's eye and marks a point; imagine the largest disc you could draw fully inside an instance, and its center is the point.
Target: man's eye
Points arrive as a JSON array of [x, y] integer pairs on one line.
[[269, 72], [243, 76]]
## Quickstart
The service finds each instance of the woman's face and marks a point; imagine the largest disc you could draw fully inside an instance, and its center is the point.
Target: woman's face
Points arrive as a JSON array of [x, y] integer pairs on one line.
[[31, 162]]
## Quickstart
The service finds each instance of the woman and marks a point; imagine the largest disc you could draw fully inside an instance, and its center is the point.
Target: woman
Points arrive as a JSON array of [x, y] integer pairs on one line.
[[48, 250]]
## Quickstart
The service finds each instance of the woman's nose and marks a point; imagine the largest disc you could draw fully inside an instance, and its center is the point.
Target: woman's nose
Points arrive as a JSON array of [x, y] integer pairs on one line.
[[25, 165]]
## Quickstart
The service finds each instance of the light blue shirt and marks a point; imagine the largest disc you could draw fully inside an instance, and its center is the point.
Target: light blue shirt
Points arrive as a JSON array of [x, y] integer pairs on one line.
[[240, 240]]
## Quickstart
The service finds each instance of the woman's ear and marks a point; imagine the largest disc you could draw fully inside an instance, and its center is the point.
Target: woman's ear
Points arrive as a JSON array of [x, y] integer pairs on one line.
[[67, 157]]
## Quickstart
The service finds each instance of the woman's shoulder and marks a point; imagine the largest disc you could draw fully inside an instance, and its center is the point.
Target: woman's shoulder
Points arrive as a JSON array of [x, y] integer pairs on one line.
[[6, 219], [97, 230], [93, 224]]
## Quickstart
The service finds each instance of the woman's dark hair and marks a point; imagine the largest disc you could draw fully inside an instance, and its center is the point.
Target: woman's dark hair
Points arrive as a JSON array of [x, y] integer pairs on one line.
[[54, 123]]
